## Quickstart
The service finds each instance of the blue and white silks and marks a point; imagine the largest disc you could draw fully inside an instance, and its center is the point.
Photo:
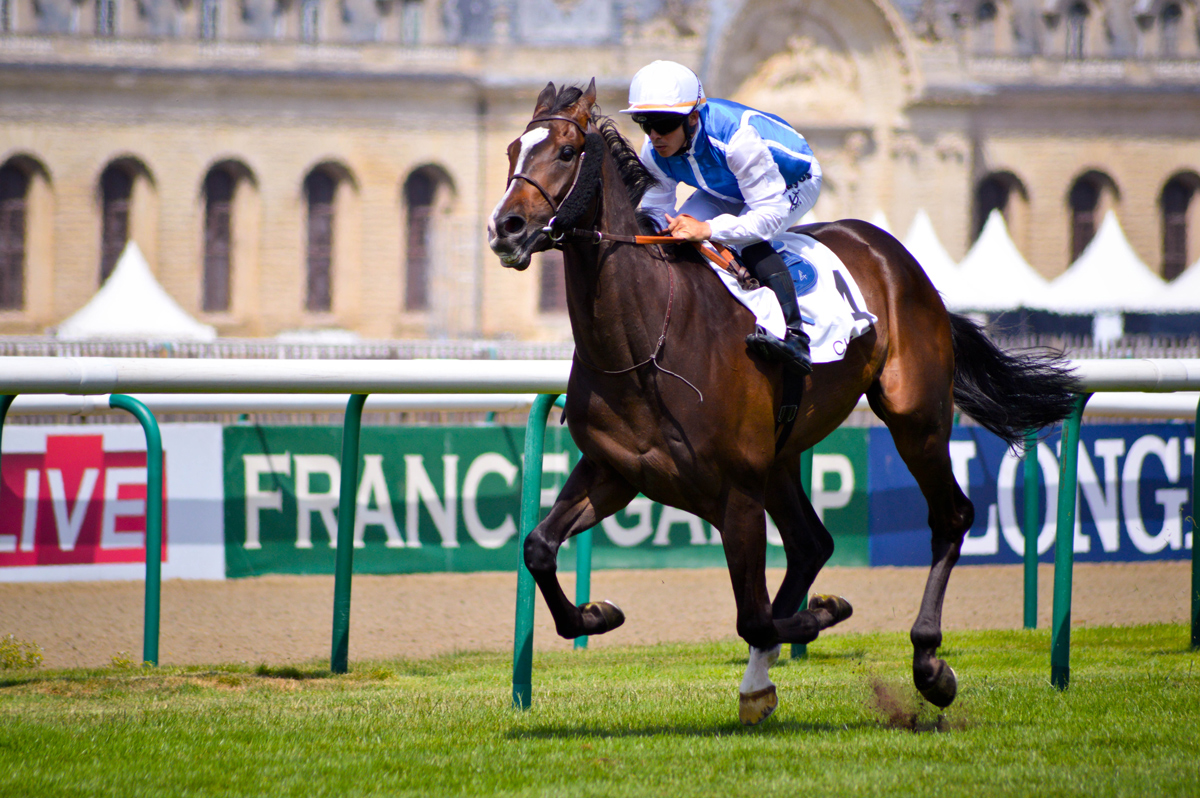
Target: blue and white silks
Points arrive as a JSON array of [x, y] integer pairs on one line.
[[756, 175]]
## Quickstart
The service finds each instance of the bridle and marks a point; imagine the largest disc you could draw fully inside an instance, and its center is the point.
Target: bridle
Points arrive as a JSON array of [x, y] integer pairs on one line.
[[554, 206], [597, 236]]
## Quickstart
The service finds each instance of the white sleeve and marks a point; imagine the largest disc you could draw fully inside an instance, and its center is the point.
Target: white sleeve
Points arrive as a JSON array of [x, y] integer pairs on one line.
[[762, 186], [659, 200]]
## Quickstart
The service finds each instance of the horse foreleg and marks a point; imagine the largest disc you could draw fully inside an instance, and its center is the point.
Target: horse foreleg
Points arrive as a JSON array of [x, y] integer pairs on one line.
[[808, 546], [806, 542], [744, 535], [591, 494]]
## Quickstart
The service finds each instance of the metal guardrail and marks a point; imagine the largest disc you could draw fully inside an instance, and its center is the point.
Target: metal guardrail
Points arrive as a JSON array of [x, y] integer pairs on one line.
[[83, 376]]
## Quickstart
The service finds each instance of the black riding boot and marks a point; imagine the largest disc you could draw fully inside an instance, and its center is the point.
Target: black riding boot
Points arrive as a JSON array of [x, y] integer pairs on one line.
[[768, 268]]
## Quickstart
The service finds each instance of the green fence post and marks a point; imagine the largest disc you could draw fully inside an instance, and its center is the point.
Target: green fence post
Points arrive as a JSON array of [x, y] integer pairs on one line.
[[531, 493], [1031, 529], [343, 569], [800, 650], [154, 507], [583, 575], [1196, 532], [1064, 551]]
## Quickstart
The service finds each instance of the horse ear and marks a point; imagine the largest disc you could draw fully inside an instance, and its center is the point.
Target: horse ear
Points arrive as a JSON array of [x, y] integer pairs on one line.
[[582, 109], [545, 99]]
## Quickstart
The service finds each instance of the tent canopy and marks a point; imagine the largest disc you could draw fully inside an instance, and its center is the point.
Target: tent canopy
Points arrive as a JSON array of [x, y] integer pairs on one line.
[[994, 276], [923, 243], [1181, 295], [1108, 276], [131, 305]]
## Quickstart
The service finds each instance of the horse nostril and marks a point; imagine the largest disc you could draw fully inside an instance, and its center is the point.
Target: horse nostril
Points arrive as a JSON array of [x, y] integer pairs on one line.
[[512, 225]]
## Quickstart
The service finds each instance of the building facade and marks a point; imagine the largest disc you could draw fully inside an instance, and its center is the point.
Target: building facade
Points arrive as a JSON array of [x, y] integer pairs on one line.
[[316, 164]]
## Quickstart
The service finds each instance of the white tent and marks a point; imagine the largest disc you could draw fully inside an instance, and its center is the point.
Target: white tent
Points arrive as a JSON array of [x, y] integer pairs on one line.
[[132, 305], [993, 276], [923, 243], [1107, 277], [1181, 295]]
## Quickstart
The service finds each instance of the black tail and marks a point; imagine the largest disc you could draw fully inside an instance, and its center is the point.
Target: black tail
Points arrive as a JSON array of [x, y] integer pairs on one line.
[[1009, 394]]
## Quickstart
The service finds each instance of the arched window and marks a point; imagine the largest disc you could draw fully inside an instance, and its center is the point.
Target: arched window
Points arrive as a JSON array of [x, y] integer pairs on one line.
[[410, 21], [552, 297], [427, 194], [116, 190], [218, 249], [985, 28], [210, 11], [1085, 197], [419, 192], [1170, 21], [992, 195], [1004, 192], [310, 20], [319, 189], [1176, 197], [106, 17], [14, 192], [1077, 20], [1089, 192]]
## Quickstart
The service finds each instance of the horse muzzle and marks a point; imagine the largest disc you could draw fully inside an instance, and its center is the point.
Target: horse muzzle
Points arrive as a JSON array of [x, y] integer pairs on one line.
[[514, 241]]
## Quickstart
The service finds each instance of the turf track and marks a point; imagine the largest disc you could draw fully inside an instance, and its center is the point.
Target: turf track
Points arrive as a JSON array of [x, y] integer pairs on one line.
[[641, 721]]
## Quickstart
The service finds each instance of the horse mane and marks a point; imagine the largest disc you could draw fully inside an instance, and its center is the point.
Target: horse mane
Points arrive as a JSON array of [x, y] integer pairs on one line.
[[634, 175]]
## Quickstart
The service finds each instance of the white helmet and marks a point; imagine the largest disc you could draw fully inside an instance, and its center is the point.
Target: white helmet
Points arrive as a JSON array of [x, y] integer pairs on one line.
[[664, 87]]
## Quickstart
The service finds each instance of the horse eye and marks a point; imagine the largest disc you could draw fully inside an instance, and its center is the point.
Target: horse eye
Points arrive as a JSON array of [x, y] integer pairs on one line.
[[566, 153]]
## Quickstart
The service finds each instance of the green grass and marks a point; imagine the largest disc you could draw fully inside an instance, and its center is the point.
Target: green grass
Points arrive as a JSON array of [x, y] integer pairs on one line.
[[622, 722]]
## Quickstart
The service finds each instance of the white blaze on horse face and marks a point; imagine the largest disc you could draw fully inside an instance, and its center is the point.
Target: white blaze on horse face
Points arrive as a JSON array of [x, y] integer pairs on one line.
[[528, 141]]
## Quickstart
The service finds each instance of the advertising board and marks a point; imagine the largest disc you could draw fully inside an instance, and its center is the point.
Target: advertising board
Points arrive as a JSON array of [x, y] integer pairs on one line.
[[73, 502], [448, 499], [1133, 503]]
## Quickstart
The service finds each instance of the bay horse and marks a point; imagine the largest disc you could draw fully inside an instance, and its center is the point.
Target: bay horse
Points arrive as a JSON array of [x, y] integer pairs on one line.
[[665, 399]]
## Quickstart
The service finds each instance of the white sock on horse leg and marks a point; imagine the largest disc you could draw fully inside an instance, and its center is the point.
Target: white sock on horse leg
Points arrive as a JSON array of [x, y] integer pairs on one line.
[[756, 677]]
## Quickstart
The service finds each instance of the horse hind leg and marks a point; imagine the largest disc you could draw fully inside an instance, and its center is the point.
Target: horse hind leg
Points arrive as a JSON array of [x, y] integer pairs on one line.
[[591, 494], [924, 445]]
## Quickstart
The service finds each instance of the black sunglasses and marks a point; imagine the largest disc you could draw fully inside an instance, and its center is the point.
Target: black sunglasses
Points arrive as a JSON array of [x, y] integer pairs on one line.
[[662, 124]]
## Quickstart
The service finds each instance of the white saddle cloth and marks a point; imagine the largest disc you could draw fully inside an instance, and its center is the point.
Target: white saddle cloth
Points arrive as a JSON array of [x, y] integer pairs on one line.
[[833, 310]]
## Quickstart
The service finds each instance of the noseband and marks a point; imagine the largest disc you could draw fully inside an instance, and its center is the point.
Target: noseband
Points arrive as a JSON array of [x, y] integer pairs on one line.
[[554, 206]]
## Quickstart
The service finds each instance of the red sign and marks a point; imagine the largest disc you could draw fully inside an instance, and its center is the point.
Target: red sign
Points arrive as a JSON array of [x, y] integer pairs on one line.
[[77, 503]]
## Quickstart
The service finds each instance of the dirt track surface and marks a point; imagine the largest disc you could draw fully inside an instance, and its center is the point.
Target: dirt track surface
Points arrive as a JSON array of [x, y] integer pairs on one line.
[[287, 619]]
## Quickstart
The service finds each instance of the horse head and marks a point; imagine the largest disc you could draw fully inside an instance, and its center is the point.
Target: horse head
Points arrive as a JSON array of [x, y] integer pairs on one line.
[[544, 165]]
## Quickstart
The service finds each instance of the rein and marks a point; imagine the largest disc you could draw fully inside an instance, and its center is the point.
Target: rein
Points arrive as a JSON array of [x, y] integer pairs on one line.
[[662, 340]]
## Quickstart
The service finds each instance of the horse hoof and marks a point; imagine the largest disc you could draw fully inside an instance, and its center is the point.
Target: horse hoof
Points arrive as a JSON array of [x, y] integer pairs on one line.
[[943, 689], [754, 708], [836, 606], [601, 616]]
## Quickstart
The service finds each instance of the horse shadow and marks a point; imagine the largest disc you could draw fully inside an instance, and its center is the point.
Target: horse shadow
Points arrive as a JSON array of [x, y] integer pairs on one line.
[[559, 731]]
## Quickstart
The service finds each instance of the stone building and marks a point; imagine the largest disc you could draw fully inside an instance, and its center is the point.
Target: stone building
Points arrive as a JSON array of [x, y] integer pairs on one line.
[[312, 164]]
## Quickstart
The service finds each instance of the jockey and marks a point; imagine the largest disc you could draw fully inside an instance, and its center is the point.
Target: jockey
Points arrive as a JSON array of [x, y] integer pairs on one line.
[[755, 176]]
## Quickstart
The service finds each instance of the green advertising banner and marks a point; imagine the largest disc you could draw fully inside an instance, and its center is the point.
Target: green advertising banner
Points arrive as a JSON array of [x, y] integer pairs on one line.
[[448, 499]]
